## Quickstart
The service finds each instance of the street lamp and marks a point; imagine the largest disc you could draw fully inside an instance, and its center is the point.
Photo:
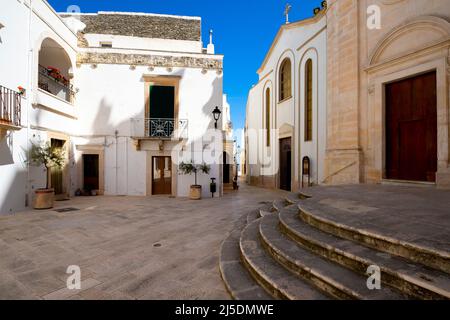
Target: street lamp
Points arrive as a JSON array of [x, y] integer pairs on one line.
[[216, 114]]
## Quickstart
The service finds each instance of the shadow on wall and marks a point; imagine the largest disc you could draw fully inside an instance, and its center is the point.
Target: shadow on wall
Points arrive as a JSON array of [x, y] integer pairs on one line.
[[6, 145], [13, 178], [102, 130]]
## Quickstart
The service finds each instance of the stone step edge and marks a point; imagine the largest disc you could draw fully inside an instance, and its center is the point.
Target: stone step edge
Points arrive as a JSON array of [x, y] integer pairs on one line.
[[258, 275], [234, 294], [413, 252], [393, 277], [321, 282], [234, 235]]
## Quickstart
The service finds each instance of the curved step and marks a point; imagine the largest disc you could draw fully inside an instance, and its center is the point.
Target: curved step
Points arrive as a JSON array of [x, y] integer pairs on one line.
[[311, 214], [412, 278], [278, 281], [253, 215], [238, 281], [280, 204], [326, 275]]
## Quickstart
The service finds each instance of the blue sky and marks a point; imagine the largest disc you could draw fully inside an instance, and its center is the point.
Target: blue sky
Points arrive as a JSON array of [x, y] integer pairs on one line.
[[243, 32]]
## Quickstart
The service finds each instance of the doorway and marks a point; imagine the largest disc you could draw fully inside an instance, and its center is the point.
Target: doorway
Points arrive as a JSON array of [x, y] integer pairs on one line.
[[161, 175], [91, 175], [226, 168], [162, 110], [285, 164], [56, 174], [411, 129]]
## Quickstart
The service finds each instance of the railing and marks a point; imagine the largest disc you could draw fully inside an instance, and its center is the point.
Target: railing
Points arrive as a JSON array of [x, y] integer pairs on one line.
[[159, 128], [10, 106], [58, 87]]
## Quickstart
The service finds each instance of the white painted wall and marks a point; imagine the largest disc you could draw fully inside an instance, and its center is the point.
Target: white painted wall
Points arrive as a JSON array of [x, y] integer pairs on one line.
[[298, 43], [121, 42], [106, 105], [109, 97], [25, 27]]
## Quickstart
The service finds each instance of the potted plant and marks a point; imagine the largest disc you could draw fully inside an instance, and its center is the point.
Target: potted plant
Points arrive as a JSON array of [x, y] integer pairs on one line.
[[48, 156], [189, 168]]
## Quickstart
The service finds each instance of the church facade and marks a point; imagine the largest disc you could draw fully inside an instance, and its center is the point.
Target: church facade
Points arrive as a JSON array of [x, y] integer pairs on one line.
[[127, 104], [285, 112], [387, 95]]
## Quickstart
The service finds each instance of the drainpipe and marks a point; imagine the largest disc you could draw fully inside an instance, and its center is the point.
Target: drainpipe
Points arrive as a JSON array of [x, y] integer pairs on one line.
[[29, 99], [116, 135]]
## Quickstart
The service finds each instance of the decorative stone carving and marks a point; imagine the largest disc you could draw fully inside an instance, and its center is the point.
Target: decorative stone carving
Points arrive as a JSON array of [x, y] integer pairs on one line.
[[137, 144], [82, 42], [152, 60]]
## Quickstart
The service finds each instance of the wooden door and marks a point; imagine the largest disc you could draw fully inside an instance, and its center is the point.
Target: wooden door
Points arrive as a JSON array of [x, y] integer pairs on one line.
[[285, 164], [56, 174], [411, 129], [162, 175]]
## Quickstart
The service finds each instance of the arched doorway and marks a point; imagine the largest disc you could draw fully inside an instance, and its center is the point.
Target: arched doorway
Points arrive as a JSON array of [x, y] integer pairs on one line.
[[226, 168]]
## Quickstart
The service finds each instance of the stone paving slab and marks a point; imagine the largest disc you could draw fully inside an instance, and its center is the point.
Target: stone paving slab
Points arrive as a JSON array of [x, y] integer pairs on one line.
[[127, 247], [412, 214]]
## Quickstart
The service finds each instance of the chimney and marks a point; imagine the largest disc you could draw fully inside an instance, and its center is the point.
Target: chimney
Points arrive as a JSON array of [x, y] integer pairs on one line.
[[210, 48]]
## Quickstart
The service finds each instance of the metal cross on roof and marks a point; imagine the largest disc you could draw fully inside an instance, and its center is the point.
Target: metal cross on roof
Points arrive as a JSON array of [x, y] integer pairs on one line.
[[287, 9]]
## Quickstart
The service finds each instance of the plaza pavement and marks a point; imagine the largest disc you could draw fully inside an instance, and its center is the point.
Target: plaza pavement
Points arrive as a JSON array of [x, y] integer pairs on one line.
[[126, 247]]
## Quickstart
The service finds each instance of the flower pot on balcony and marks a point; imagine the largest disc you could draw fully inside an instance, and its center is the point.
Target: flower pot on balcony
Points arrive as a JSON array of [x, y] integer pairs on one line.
[[195, 192], [44, 199]]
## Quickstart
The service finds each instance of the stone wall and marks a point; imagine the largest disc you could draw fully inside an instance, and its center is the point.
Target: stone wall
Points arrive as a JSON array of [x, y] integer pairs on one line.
[[145, 26], [414, 38], [342, 163]]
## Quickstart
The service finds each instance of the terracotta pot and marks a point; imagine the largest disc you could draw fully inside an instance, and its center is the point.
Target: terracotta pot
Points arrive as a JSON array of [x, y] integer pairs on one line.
[[195, 192], [44, 199]]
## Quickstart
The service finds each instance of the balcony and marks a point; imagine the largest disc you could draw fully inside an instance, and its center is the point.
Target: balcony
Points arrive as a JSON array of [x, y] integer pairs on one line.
[[10, 109], [158, 129], [51, 81]]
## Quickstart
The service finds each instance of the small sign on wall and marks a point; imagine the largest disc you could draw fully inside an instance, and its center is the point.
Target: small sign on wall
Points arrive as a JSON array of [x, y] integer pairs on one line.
[[306, 172]]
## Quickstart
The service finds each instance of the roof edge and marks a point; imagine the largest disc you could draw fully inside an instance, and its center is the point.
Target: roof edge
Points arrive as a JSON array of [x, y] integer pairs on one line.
[[291, 25]]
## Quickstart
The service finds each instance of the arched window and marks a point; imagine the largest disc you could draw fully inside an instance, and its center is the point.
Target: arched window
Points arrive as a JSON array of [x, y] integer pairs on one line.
[[285, 79], [268, 117], [308, 100]]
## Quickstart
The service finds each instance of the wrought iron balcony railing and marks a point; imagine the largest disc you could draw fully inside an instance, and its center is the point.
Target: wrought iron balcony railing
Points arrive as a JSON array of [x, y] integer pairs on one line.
[[54, 83], [10, 106], [159, 128]]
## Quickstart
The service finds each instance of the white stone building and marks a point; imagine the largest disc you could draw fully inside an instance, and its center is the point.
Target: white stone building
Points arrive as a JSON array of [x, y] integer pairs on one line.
[[126, 103], [286, 109]]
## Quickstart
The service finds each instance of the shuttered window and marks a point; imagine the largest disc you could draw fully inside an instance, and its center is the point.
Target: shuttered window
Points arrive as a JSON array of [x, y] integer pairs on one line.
[[308, 101]]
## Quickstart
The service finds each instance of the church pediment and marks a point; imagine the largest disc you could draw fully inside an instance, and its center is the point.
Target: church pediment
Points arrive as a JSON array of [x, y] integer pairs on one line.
[[410, 37]]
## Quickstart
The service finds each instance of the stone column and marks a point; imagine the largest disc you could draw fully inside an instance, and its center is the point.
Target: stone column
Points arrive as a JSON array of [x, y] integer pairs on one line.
[[343, 156]]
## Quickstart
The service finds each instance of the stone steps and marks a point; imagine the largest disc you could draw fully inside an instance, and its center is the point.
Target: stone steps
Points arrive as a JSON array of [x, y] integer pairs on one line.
[[286, 251], [329, 277], [253, 215], [238, 281], [409, 277], [312, 213], [278, 281]]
